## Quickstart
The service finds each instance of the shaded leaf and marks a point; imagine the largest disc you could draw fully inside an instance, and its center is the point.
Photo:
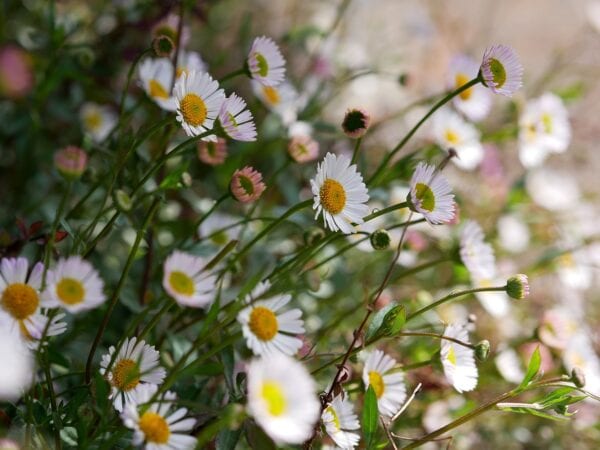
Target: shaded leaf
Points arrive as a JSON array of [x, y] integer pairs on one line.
[[370, 415]]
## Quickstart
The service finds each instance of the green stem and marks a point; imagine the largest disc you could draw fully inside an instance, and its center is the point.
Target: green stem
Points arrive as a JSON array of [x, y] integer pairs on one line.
[[356, 149], [233, 74], [383, 211], [136, 61], [53, 405], [51, 238], [437, 336]]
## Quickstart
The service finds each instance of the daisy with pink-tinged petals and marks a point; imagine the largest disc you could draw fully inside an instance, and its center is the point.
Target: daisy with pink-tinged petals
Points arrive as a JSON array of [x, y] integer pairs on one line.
[[237, 122], [303, 148], [246, 185], [501, 70], [71, 162], [265, 62], [212, 153], [431, 195]]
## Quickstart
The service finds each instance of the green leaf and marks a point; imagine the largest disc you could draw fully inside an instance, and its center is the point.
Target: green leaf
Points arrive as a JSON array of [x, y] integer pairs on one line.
[[394, 320], [377, 321], [69, 436], [369, 418], [535, 412], [173, 180], [257, 439], [532, 368], [228, 439]]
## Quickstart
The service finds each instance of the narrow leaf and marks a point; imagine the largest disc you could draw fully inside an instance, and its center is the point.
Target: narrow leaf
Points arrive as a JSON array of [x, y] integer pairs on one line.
[[532, 368], [369, 418]]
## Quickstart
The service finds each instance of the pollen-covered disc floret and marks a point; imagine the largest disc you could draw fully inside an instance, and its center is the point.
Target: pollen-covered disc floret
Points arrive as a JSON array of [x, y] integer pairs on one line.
[[266, 327], [501, 70], [157, 424], [282, 398], [475, 102], [339, 420], [339, 193], [156, 76], [265, 62], [199, 100], [452, 132], [73, 284], [431, 195], [135, 365], [235, 120], [186, 280], [387, 383], [458, 361]]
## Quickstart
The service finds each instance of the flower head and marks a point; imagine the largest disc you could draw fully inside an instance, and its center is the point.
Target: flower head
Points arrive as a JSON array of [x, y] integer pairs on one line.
[[186, 280], [198, 100], [475, 102], [340, 419], [356, 122], [387, 383], [17, 369], [236, 120], [247, 185], [518, 286], [458, 361], [430, 195], [98, 121], [283, 100], [282, 398], [267, 328], [452, 132], [212, 153], [219, 228], [188, 61], [501, 70], [156, 76], [71, 162], [303, 148], [339, 193], [476, 254], [265, 62], [135, 365]]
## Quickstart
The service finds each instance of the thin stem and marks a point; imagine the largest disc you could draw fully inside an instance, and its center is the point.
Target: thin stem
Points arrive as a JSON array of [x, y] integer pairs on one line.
[[178, 43], [233, 74], [51, 238], [136, 61], [437, 336], [53, 405], [383, 211], [356, 149]]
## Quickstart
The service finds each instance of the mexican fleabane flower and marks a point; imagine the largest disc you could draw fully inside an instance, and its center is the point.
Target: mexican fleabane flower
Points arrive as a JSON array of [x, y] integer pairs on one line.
[[198, 102], [339, 193], [158, 425], [501, 70], [475, 102], [135, 365], [544, 128], [303, 148], [339, 420], [187, 282], [282, 100], [282, 398], [265, 62], [188, 61], [17, 369], [476, 254], [219, 228], [452, 132], [156, 76], [458, 361], [74, 285], [237, 121], [212, 153], [431, 195], [98, 121], [266, 327], [380, 371]]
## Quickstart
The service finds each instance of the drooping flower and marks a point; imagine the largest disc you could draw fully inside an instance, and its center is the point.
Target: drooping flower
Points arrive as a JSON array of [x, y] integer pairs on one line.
[[431, 195], [156, 76], [303, 148], [452, 132], [73, 284], [265, 62], [212, 153], [98, 121], [158, 424], [267, 328], [340, 419], [458, 361], [186, 280], [135, 365], [356, 122], [199, 100], [339, 193], [475, 102], [237, 121], [387, 383], [501, 70], [246, 185], [71, 162], [282, 398]]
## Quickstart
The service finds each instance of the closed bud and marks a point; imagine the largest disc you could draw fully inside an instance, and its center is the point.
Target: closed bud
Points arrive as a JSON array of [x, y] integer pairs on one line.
[[578, 377], [380, 239], [517, 286], [70, 162], [482, 350], [163, 46]]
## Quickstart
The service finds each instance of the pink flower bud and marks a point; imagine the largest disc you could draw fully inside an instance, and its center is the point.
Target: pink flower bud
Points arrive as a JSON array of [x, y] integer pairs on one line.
[[246, 185]]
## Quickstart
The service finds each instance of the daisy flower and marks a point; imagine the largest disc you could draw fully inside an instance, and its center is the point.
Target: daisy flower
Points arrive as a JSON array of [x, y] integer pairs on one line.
[[476, 254], [156, 76], [430, 195], [73, 284], [501, 70], [98, 121], [339, 420], [451, 131], [158, 425], [246, 185], [186, 281], [475, 102], [17, 369], [265, 63], [198, 102], [135, 365], [213, 228], [188, 62], [282, 398], [266, 327], [387, 383], [458, 361], [339, 193], [303, 148], [236, 120], [282, 100]]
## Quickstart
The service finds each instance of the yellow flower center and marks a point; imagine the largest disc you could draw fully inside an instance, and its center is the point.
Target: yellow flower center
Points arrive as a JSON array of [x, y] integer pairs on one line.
[[451, 356], [93, 120], [274, 397], [181, 283], [498, 72], [263, 65], [547, 122], [452, 137], [154, 427], [425, 194], [271, 94], [334, 417], [460, 80], [157, 90], [70, 291], [20, 300], [333, 196], [263, 323], [193, 110], [376, 380], [126, 374]]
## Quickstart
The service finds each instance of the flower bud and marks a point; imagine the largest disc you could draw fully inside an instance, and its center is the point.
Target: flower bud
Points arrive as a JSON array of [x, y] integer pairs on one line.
[[380, 239], [246, 185], [70, 162], [578, 377], [163, 46], [303, 149], [212, 153], [123, 200], [356, 123], [482, 350], [517, 286]]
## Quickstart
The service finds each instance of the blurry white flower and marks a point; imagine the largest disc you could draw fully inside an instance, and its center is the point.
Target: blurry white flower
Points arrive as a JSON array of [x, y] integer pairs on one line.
[[452, 132], [265, 62], [188, 61], [476, 254], [387, 383], [509, 365], [283, 100], [497, 303], [340, 419], [575, 269], [97, 120], [552, 189], [156, 76], [186, 280], [219, 228], [475, 102], [580, 353], [458, 361], [431, 195], [513, 233], [17, 368]]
